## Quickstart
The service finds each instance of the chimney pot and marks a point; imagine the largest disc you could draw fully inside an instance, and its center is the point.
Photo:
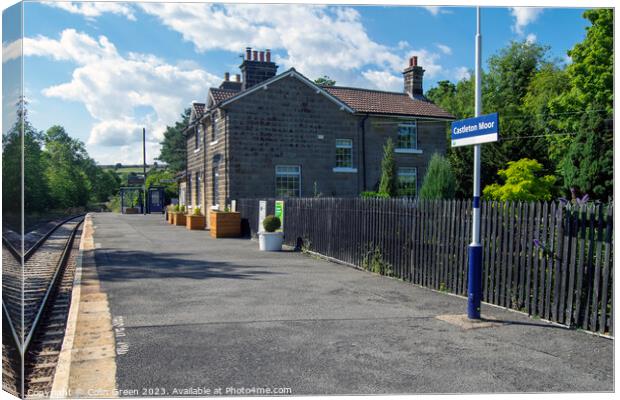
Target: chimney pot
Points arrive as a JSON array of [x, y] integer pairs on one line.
[[237, 78], [248, 53], [254, 55], [226, 76], [414, 61], [268, 54], [262, 56]]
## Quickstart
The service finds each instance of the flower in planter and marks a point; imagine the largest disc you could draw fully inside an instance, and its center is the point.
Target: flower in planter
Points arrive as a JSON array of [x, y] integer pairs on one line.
[[197, 211], [271, 223]]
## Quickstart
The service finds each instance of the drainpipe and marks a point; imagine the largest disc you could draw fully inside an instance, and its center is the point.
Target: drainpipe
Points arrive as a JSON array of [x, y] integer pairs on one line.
[[363, 125]]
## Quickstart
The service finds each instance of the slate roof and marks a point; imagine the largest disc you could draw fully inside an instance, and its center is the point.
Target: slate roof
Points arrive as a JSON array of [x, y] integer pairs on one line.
[[362, 100], [380, 102], [220, 95]]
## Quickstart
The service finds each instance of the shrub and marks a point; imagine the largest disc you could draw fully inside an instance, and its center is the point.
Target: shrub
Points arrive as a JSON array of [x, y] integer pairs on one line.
[[271, 223], [522, 182], [182, 208], [439, 182], [197, 211], [369, 195], [177, 208], [389, 183]]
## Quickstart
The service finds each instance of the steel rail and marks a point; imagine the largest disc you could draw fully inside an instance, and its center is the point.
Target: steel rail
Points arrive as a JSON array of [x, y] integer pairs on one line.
[[59, 268], [22, 347]]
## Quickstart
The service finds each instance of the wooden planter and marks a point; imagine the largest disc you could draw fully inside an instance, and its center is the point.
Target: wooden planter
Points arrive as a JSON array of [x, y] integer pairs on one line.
[[178, 219], [225, 224], [131, 210], [170, 217], [195, 222]]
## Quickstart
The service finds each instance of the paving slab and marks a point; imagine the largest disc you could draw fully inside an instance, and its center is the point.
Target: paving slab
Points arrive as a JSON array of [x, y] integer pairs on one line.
[[195, 314]]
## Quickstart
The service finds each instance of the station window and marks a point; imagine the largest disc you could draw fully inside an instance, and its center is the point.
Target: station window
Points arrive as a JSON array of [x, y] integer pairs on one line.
[[215, 181], [407, 181], [197, 138], [288, 181], [198, 189], [189, 190], [213, 128], [407, 136], [344, 153]]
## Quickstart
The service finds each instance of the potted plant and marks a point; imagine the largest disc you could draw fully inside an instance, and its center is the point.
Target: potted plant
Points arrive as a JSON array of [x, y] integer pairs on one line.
[[270, 240], [133, 202], [224, 223], [196, 221], [170, 213], [179, 215]]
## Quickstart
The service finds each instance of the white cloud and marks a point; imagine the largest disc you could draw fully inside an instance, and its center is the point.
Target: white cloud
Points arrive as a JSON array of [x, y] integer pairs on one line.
[[112, 86], [434, 10], [316, 40], [383, 80], [11, 51], [115, 133], [523, 17], [531, 38], [444, 49], [461, 73], [91, 10]]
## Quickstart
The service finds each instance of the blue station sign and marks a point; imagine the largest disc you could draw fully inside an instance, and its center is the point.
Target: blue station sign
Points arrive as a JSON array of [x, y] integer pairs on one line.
[[482, 129]]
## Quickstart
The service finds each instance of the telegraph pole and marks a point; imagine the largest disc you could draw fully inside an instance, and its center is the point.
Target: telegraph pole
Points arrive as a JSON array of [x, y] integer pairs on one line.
[[474, 285], [144, 170]]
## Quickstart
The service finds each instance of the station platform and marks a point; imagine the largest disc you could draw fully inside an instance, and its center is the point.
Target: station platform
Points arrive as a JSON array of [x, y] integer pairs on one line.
[[195, 314]]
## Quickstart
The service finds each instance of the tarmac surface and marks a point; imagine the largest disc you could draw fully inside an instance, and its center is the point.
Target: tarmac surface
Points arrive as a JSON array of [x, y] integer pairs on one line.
[[200, 314]]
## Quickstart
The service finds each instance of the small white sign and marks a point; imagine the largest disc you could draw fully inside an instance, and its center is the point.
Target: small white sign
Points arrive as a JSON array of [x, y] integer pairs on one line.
[[262, 214]]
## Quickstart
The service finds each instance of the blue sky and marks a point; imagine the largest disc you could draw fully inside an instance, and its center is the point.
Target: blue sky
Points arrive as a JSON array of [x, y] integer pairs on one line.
[[104, 70]]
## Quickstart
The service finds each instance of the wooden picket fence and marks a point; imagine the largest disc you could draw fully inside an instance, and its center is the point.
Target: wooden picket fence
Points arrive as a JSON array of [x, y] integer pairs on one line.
[[550, 260]]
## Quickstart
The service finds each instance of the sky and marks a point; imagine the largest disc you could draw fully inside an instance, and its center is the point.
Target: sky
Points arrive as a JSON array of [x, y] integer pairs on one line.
[[105, 70]]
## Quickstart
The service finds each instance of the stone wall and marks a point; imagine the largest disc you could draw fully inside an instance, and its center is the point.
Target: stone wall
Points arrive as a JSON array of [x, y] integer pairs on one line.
[[289, 124]]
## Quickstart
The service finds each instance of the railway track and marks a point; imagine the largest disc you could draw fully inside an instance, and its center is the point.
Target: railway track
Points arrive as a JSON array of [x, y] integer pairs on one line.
[[35, 305]]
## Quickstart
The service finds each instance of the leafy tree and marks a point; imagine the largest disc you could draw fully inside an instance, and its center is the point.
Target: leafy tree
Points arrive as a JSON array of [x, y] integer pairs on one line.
[[325, 81], [504, 87], [585, 109], [522, 182], [154, 177], [69, 185], [173, 147], [439, 182], [389, 183], [588, 163], [548, 83], [105, 184], [34, 182]]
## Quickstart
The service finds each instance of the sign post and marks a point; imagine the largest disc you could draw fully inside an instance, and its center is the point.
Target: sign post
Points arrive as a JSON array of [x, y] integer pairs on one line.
[[279, 212], [475, 131], [262, 214]]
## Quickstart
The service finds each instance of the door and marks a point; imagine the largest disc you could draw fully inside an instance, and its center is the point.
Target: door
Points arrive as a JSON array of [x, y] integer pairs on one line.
[[156, 200]]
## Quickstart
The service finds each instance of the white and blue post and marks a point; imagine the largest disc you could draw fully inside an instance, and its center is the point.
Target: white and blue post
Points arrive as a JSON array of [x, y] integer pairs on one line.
[[474, 277]]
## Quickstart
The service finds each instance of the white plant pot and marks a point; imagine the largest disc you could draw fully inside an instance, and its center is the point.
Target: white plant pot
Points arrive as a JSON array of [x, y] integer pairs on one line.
[[270, 241]]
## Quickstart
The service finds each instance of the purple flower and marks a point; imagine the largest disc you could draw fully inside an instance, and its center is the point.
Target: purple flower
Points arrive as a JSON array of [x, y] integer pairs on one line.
[[537, 243]]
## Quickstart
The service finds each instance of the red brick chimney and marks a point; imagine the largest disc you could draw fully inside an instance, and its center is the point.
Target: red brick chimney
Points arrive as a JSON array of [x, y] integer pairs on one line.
[[413, 76]]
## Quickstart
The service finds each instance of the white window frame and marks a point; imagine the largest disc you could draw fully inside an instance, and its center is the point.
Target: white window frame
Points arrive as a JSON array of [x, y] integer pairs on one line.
[[406, 172], [284, 173], [343, 143], [411, 150]]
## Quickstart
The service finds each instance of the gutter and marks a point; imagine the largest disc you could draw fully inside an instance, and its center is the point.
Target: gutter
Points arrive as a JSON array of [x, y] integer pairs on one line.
[[363, 125]]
